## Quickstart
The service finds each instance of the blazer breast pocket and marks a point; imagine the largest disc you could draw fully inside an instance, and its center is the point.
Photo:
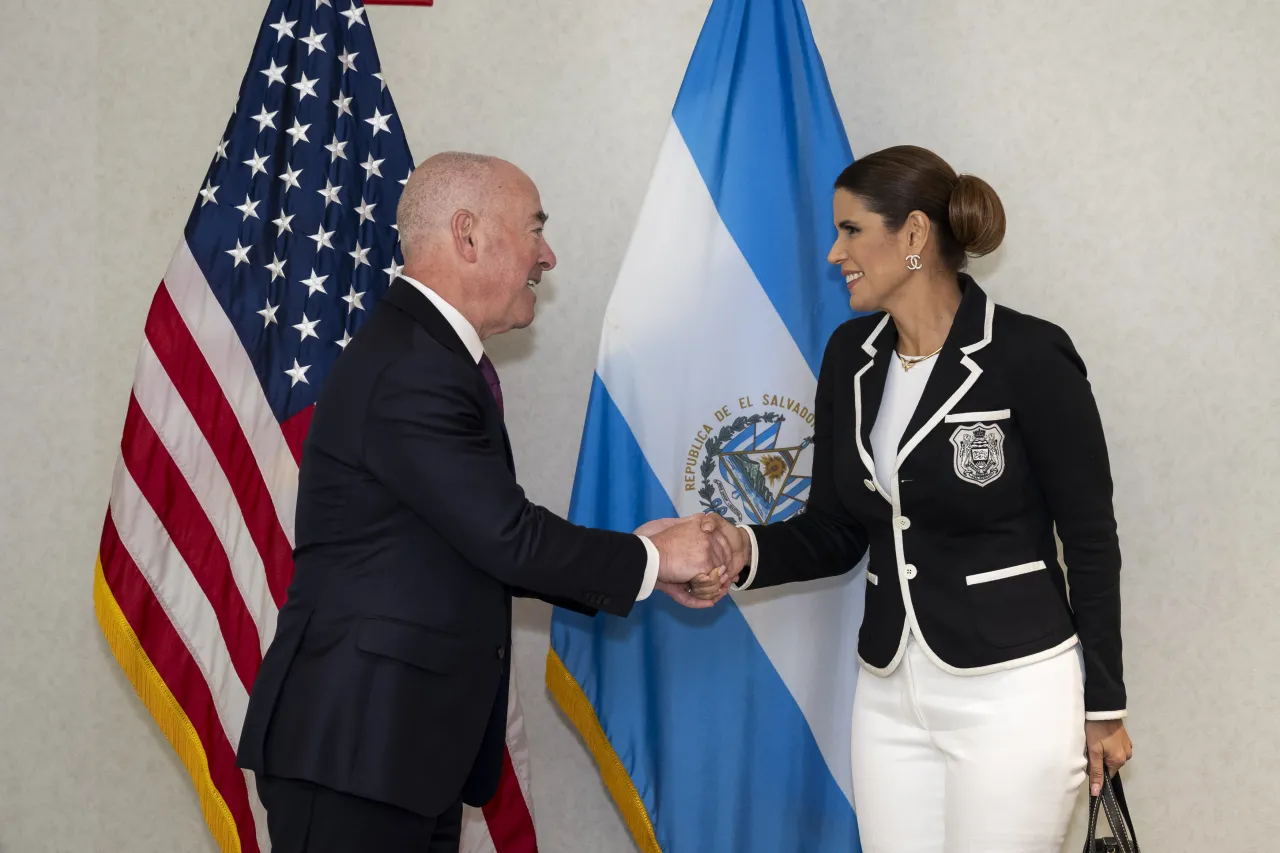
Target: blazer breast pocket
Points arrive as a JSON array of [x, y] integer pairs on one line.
[[978, 445]]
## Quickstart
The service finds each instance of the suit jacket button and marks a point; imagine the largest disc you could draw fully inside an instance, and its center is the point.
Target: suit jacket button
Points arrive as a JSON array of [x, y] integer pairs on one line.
[[903, 522], [869, 484], [910, 571], [502, 652], [605, 601]]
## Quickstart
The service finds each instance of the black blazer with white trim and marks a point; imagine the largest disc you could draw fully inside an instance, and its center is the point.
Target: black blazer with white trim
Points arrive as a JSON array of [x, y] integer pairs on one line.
[[1005, 442]]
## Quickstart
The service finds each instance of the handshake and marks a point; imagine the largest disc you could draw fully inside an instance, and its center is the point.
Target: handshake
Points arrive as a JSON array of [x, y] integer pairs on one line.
[[699, 556]]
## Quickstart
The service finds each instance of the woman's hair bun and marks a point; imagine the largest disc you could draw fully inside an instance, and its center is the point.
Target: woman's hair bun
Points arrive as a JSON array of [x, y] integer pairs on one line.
[[976, 216]]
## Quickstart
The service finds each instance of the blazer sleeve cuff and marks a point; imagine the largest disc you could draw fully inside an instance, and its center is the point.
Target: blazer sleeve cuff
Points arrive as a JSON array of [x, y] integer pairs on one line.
[[1105, 715], [650, 570], [755, 560]]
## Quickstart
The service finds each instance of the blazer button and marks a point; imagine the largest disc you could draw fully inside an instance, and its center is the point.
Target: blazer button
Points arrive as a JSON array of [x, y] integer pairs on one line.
[[605, 601], [910, 571], [871, 486], [502, 652], [903, 522]]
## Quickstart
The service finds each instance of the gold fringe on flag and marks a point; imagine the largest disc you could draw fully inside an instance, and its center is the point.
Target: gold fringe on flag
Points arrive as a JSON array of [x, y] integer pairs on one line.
[[569, 696], [165, 709]]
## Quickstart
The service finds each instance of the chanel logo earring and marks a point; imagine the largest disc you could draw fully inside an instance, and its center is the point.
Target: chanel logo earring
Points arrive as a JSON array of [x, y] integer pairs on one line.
[[913, 262]]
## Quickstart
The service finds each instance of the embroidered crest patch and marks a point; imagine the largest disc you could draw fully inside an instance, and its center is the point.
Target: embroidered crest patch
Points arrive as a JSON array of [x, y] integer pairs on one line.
[[979, 453]]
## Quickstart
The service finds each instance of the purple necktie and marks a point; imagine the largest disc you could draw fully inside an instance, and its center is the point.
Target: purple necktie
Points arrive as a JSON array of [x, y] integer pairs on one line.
[[491, 376]]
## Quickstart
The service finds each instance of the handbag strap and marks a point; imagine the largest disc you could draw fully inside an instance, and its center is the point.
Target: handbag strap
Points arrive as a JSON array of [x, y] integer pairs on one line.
[[1113, 802], [1118, 807]]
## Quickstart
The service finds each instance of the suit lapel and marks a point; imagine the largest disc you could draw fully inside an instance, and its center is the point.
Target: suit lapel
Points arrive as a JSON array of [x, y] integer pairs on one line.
[[955, 372], [506, 446], [868, 389], [404, 296]]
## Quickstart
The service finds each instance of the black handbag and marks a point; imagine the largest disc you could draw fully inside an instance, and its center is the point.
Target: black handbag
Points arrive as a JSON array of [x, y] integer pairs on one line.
[[1112, 803]]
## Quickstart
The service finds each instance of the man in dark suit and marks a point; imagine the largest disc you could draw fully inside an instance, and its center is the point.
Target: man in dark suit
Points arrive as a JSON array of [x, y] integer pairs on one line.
[[380, 707]]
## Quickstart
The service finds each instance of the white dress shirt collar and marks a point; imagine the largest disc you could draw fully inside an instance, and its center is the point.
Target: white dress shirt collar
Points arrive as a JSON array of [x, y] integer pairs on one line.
[[466, 332]]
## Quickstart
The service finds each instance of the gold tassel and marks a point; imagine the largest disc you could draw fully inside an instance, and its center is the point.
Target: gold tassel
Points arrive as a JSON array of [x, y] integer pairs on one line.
[[569, 696], [166, 711]]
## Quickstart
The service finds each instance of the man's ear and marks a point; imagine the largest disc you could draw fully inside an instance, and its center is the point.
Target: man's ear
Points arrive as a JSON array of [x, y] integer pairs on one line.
[[462, 228]]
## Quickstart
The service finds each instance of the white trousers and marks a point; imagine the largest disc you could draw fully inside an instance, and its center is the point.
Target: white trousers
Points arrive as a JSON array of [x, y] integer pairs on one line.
[[948, 763]]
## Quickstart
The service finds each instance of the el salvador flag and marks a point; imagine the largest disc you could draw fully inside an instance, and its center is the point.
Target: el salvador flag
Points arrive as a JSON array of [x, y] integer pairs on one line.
[[724, 729]]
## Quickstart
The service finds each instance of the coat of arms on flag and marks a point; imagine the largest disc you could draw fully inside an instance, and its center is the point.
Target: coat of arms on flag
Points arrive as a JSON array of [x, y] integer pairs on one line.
[[747, 475]]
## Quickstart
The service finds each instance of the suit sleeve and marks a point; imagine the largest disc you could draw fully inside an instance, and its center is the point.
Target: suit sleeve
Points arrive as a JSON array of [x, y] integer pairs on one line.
[[1068, 451], [425, 441], [555, 601], [824, 540]]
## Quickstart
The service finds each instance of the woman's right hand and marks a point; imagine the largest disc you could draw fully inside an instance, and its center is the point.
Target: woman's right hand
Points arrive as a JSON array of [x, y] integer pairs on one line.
[[733, 543]]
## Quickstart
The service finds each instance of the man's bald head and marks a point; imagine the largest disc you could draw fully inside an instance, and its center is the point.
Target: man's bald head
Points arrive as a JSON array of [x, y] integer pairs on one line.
[[471, 229], [444, 184]]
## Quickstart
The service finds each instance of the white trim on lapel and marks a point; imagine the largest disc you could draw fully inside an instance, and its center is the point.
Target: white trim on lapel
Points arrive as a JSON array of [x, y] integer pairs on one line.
[[869, 347], [974, 372]]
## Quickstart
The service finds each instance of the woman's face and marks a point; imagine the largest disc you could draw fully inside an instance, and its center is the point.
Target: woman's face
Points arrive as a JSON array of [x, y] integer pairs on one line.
[[872, 259]]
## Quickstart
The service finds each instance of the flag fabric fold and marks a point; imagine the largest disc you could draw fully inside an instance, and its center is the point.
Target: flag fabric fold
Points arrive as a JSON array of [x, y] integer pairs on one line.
[[723, 729], [290, 242]]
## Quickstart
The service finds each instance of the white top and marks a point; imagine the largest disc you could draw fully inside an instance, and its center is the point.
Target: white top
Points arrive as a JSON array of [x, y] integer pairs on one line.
[[471, 340], [902, 392]]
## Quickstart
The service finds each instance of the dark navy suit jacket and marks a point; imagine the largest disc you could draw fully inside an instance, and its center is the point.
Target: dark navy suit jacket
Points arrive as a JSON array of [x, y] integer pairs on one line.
[[387, 677]]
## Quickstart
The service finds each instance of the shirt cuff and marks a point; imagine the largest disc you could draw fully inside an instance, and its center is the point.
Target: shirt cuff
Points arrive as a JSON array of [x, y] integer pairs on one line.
[[650, 570], [755, 560], [1105, 715]]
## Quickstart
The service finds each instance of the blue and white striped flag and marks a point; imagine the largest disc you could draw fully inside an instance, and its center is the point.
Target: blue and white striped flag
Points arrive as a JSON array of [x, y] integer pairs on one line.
[[724, 729]]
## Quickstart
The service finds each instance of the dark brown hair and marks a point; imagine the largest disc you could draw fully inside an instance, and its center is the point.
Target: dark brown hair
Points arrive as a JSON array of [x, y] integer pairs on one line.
[[967, 217]]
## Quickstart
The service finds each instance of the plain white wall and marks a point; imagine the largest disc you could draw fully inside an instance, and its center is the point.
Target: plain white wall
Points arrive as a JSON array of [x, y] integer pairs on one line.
[[1134, 145]]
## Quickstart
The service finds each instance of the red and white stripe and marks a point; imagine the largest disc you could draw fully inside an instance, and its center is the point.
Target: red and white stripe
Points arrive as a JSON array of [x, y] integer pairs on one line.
[[505, 825], [197, 545]]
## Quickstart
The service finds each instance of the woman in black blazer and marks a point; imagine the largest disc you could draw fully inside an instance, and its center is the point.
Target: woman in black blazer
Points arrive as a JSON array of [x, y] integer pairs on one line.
[[952, 435]]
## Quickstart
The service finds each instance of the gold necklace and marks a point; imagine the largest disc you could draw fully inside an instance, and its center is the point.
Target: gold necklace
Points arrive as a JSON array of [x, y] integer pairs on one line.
[[910, 361]]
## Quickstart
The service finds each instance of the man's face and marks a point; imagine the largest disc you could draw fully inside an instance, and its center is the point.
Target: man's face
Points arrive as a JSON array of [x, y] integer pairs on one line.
[[514, 255]]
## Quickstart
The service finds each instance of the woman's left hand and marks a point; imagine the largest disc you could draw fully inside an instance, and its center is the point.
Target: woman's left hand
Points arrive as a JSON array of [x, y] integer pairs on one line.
[[1109, 747]]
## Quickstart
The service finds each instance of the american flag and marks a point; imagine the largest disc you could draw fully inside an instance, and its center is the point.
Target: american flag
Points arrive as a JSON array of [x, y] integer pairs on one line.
[[290, 242]]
